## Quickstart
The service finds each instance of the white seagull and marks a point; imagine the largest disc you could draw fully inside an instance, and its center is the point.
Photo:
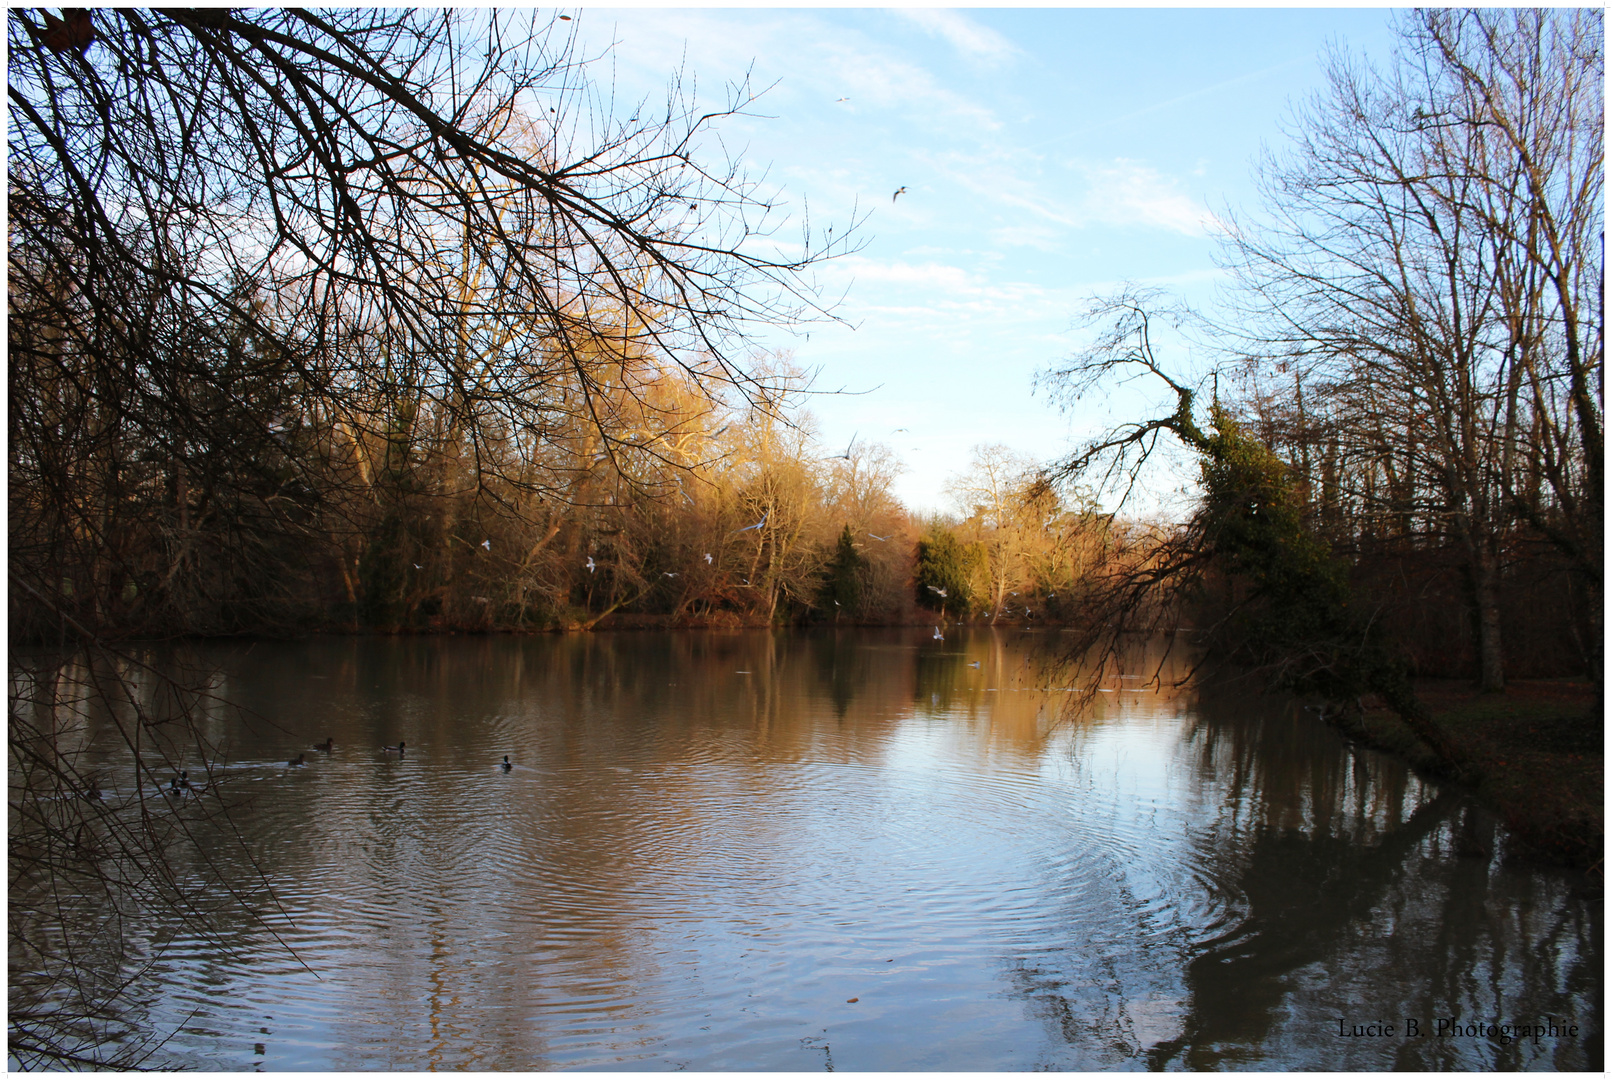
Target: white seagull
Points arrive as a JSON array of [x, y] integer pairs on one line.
[[488, 544], [899, 191], [942, 592], [707, 558], [590, 564], [881, 539], [938, 635], [757, 525]]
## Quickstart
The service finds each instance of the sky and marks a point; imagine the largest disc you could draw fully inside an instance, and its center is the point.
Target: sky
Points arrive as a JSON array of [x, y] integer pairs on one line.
[[1047, 154]]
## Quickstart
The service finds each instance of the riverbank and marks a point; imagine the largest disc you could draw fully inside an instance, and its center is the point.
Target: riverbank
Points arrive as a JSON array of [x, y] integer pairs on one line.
[[1534, 754]]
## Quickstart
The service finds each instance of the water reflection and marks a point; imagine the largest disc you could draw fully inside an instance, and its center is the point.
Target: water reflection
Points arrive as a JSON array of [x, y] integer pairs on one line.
[[710, 843]]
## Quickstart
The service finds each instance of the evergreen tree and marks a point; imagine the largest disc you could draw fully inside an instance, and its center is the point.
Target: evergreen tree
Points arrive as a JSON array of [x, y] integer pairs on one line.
[[842, 578], [947, 571]]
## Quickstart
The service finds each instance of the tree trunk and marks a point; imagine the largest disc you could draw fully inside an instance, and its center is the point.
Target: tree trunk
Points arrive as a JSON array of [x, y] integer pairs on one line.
[[1491, 655]]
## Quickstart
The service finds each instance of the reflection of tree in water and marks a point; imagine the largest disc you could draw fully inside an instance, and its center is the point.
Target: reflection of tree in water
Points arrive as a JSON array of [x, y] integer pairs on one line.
[[1304, 881], [842, 667], [938, 674], [1303, 894], [1405, 908]]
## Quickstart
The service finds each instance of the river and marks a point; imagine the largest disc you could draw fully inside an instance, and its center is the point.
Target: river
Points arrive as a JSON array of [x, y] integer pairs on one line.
[[855, 850]]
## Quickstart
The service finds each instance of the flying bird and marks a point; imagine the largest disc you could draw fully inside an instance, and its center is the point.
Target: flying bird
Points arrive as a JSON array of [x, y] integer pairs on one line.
[[757, 525], [668, 573], [838, 100], [899, 191], [847, 455], [590, 564], [488, 544], [938, 636], [707, 558], [941, 592], [881, 539]]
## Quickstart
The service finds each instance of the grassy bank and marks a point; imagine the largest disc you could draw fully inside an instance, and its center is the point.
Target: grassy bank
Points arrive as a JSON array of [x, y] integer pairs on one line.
[[1534, 754]]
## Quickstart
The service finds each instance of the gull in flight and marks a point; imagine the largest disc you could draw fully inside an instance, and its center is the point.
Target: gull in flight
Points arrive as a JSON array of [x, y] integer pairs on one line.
[[488, 544], [942, 592], [838, 100], [847, 455], [590, 564], [668, 573], [938, 635], [757, 525], [899, 191], [879, 538], [707, 558]]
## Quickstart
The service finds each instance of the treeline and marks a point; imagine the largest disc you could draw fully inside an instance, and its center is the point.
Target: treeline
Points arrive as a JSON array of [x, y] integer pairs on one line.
[[411, 518], [266, 510]]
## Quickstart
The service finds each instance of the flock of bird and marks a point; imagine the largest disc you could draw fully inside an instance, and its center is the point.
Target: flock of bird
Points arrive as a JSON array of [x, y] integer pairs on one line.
[[181, 785], [593, 567]]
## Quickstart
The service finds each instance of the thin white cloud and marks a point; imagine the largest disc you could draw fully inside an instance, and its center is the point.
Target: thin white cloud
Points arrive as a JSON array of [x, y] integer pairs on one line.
[[1117, 194], [878, 79], [1039, 237], [1122, 192], [1000, 184], [978, 44]]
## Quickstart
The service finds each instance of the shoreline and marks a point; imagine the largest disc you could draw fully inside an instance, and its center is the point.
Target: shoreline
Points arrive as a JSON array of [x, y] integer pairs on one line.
[[1533, 754]]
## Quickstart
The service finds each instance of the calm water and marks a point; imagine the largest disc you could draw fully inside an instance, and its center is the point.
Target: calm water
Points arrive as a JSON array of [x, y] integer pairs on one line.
[[852, 851]]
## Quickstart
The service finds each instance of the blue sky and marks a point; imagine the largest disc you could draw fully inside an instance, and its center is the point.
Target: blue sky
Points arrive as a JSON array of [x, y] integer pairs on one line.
[[1048, 154]]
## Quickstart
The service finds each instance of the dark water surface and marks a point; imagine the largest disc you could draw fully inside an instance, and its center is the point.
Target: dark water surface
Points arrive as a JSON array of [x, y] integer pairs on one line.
[[850, 850]]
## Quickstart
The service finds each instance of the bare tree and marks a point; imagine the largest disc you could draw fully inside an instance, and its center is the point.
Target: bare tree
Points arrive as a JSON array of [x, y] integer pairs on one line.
[[1427, 263], [996, 497]]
